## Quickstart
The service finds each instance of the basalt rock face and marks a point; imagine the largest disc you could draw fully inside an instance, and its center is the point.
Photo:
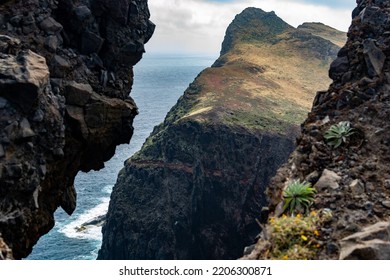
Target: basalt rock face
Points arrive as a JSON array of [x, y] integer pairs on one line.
[[65, 76], [192, 199], [359, 94], [196, 188]]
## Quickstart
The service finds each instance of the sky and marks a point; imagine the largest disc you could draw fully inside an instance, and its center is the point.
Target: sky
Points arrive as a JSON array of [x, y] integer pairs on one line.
[[198, 26]]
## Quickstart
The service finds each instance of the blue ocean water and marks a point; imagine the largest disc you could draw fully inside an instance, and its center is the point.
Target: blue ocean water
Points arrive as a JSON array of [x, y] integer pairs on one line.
[[159, 81]]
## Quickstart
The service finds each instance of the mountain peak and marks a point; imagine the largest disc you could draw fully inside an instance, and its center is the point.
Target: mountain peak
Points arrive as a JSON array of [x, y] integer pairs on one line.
[[253, 24]]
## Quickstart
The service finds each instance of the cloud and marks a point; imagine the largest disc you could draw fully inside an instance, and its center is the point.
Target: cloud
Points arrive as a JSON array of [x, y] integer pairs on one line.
[[221, 1], [331, 3], [198, 26]]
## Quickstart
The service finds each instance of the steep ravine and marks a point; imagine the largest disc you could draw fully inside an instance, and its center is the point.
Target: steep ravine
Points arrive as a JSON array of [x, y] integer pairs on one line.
[[196, 188], [65, 75], [353, 180]]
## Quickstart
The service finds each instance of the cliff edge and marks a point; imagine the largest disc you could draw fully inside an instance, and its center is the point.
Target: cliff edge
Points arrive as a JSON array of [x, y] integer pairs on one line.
[[65, 76], [353, 179], [195, 189]]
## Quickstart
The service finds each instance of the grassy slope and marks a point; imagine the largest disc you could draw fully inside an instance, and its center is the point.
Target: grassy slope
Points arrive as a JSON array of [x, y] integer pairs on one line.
[[263, 83], [337, 37], [266, 86]]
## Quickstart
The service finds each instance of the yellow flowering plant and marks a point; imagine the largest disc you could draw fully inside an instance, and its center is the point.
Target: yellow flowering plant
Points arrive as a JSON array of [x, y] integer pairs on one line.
[[295, 237]]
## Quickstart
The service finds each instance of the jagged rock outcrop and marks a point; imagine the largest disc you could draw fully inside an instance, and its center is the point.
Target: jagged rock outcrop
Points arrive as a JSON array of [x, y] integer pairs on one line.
[[195, 189], [65, 76], [359, 94], [371, 243]]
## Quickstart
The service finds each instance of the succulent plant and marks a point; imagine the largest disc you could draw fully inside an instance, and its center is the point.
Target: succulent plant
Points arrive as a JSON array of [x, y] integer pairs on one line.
[[298, 196], [339, 133]]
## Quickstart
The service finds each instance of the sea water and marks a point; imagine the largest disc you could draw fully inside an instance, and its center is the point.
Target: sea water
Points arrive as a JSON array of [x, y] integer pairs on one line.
[[159, 81]]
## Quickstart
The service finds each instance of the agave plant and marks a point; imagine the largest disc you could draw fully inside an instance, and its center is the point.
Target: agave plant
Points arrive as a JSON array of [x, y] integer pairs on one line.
[[338, 133], [298, 196]]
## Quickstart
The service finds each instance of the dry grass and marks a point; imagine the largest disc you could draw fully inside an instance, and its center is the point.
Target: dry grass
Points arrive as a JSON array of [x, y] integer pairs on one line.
[[262, 86], [335, 36]]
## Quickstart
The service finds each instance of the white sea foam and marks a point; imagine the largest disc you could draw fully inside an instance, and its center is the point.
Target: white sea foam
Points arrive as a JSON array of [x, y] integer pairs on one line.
[[108, 189], [90, 232]]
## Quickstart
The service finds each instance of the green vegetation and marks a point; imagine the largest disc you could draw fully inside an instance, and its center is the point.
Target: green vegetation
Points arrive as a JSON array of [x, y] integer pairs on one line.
[[294, 238], [261, 85], [338, 133], [326, 32], [298, 196]]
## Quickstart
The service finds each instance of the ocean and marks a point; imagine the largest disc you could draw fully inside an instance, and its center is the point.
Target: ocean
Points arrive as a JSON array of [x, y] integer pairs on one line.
[[159, 80]]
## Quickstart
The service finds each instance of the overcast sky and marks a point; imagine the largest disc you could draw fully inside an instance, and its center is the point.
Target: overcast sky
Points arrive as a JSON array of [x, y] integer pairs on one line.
[[198, 26]]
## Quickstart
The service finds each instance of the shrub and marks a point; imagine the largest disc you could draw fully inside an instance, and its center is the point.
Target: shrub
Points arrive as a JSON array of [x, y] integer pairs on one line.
[[298, 196], [338, 133], [294, 238]]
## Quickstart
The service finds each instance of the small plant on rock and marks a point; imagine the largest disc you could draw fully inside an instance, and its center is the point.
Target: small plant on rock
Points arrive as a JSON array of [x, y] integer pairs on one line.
[[338, 133], [294, 238], [298, 196]]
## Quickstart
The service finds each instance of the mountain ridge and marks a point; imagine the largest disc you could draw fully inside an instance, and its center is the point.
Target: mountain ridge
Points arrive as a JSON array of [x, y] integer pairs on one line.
[[326, 32], [196, 186]]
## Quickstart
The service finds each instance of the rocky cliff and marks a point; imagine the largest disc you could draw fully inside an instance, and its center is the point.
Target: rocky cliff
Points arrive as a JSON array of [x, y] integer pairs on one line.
[[352, 180], [195, 189], [65, 76]]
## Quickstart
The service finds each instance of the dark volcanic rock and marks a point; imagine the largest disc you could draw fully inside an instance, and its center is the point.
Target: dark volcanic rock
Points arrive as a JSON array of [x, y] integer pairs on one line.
[[374, 57], [359, 94], [372, 243], [50, 26], [22, 78], [192, 195], [91, 43], [58, 115]]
